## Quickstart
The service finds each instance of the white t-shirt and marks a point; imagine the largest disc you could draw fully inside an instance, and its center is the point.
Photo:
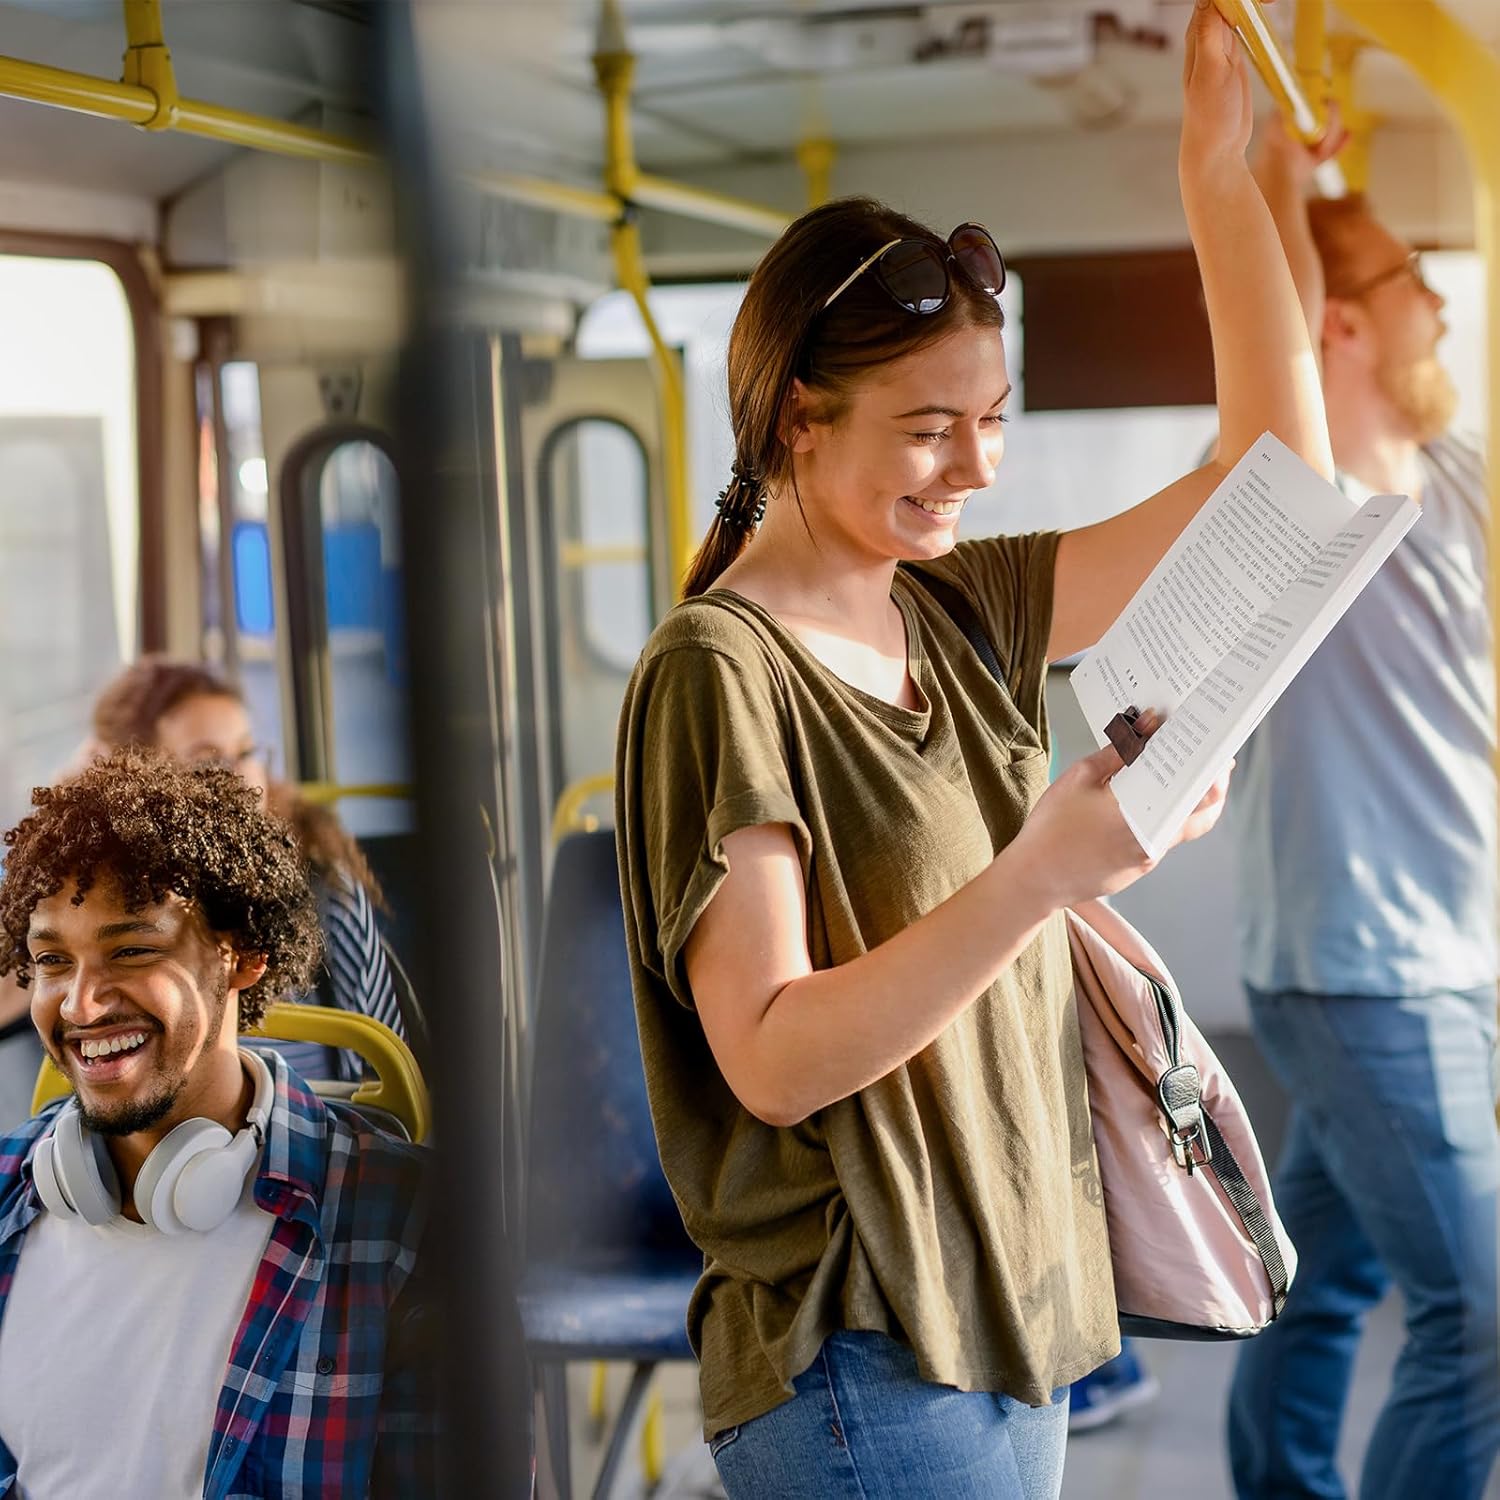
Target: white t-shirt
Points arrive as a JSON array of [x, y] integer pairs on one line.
[[113, 1349]]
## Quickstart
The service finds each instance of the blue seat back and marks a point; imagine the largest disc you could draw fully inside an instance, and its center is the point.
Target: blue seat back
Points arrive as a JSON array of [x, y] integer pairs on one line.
[[595, 1189]]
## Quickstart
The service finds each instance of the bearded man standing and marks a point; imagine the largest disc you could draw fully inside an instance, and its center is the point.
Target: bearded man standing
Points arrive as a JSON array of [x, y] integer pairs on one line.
[[1365, 809]]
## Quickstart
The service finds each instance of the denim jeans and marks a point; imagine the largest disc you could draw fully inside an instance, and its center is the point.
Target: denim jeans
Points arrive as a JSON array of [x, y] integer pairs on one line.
[[865, 1426], [1390, 1171]]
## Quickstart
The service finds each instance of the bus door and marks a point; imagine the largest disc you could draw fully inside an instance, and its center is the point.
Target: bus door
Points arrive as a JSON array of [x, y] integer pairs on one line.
[[592, 438]]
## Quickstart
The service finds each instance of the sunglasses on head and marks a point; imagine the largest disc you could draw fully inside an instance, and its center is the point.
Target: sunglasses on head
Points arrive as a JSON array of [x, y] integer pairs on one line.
[[914, 273]]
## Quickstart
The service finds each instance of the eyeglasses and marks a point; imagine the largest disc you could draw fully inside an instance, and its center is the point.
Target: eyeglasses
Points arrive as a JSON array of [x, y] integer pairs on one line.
[[914, 273], [1410, 265], [236, 760]]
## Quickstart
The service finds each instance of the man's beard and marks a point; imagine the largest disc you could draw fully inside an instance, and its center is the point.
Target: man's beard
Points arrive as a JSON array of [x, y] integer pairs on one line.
[[1423, 393], [148, 1109], [133, 1114]]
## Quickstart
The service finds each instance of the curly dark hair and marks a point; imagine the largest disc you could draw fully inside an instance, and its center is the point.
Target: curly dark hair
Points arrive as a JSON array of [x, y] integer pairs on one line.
[[154, 827], [131, 706]]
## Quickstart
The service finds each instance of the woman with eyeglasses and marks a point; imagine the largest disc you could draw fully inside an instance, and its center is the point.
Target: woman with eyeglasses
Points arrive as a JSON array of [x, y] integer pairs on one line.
[[844, 871], [189, 711]]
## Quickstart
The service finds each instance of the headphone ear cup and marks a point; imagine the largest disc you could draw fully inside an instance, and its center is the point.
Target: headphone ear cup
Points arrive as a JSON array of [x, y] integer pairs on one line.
[[85, 1176], [212, 1182], [158, 1187], [44, 1177]]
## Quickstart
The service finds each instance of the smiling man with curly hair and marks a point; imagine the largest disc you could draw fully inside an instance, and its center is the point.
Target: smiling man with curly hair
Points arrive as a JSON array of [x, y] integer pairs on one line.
[[213, 893], [193, 1215]]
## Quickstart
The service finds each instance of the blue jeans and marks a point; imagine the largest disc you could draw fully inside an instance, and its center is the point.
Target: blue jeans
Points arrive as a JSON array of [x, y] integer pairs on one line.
[[1391, 1170], [865, 1426]]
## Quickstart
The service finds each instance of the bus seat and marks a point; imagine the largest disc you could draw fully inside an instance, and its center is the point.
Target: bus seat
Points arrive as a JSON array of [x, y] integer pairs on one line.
[[395, 1101], [609, 1267]]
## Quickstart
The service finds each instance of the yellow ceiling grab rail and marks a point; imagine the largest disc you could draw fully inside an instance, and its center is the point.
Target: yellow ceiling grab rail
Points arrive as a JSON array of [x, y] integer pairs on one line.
[[147, 96], [397, 1087], [1306, 116]]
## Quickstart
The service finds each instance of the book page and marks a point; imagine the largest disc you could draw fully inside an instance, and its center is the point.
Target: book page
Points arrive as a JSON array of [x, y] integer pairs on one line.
[[1255, 534], [1197, 741]]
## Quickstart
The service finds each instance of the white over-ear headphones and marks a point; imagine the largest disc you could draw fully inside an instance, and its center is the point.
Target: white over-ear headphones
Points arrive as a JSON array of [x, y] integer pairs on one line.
[[190, 1182]]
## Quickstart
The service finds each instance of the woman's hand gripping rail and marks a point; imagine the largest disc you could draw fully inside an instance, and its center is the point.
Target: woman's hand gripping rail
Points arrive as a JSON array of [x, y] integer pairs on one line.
[[1265, 370]]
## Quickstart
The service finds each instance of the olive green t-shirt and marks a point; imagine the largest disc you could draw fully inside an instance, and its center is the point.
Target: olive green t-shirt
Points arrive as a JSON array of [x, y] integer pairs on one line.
[[955, 1203]]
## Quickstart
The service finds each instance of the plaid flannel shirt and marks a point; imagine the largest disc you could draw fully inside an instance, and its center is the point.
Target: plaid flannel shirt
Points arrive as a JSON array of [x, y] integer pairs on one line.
[[318, 1397]]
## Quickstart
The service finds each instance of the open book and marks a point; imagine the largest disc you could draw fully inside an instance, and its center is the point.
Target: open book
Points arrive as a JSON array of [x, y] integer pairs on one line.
[[1226, 620]]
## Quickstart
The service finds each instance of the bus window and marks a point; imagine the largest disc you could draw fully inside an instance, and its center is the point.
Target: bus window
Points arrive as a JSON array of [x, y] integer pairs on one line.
[[249, 629], [69, 517], [358, 508], [595, 494]]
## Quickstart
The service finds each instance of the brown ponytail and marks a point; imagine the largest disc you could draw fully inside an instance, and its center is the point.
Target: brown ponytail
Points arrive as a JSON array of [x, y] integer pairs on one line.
[[783, 333], [742, 503]]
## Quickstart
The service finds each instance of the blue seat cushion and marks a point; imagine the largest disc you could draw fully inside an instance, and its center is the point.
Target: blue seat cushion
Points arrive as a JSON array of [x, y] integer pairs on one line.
[[623, 1311]]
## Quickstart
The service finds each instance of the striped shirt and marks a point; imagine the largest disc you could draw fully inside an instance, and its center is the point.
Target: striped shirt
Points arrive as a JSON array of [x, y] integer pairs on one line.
[[355, 976], [319, 1396]]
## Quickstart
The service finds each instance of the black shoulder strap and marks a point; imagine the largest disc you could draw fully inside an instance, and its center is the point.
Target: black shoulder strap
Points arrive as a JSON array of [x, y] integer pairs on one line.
[[963, 614], [1252, 1212]]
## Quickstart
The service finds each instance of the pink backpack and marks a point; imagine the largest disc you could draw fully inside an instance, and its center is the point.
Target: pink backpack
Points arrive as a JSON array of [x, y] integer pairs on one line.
[[1198, 1250]]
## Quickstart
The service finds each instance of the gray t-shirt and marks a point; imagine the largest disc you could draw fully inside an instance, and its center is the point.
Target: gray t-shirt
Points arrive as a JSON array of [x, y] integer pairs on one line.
[[1365, 803]]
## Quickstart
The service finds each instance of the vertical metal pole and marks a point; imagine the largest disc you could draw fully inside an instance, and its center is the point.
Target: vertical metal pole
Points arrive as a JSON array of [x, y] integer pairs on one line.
[[816, 158], [447, 482]]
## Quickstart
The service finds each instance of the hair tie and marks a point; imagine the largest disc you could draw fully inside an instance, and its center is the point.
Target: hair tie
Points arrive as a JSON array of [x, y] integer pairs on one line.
[[742, 502]]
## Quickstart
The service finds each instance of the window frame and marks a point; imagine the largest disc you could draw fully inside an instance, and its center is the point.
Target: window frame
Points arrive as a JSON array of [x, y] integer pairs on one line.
[[311, 755], [553, 582], [146, 329]]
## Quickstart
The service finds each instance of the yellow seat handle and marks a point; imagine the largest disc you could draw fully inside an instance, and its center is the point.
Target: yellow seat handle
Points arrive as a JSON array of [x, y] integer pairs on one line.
[[397, 1087]]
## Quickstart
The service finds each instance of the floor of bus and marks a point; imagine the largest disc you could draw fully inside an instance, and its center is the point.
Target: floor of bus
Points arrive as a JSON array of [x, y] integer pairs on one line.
[[1173, 1445]]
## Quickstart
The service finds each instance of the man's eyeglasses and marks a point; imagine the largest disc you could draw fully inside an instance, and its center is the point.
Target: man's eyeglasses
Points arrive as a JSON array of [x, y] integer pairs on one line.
[[1411, 265], [914, 273]]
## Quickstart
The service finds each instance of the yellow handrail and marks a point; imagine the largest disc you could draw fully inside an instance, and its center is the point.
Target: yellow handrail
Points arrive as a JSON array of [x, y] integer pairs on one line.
[[1343, 51], [560, 197], [138, 105], [707, 206], [816, 155], [1305, 116], [566, 816], [614, 71], [324, 792], [147, 96], [397, 1088], [1310, 53]]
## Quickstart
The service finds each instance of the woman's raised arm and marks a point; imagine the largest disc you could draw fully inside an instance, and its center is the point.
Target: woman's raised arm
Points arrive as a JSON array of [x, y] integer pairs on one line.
[[1265, 370]]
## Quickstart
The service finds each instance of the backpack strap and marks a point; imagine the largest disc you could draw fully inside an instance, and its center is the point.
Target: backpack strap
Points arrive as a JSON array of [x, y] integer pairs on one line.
[[963, 614]]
